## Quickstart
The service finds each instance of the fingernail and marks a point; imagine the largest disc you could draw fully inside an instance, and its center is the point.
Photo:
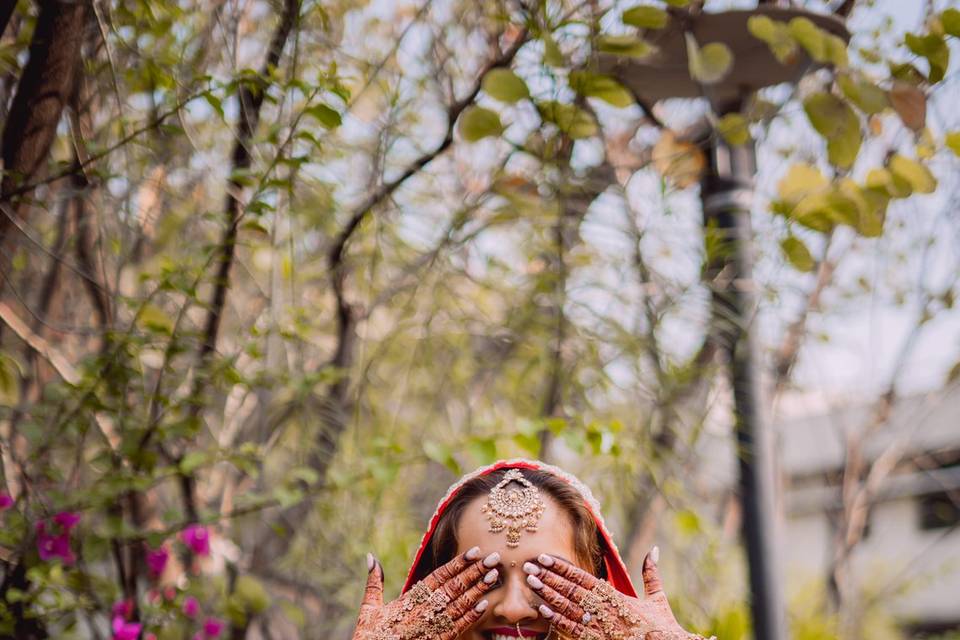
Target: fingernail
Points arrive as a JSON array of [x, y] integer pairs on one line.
[[545, 560], [532, 569], [370, 562], [655, 554], [545, 611], [472, 554], [491, 577], [534, 582], [481, 606], [491, 560], [587, 618]]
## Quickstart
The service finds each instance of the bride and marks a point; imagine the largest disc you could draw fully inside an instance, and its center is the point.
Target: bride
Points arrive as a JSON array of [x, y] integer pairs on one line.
[[518, 549]]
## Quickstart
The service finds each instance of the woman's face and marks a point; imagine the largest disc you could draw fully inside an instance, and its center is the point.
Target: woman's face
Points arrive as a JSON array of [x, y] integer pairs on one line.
[[512, 601]]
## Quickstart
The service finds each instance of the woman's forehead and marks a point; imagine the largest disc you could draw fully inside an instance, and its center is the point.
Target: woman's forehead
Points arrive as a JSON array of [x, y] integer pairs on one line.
[[554, 533]]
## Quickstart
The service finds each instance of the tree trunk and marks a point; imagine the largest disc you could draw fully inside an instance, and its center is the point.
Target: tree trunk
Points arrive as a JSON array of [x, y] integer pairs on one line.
[[45, 87]]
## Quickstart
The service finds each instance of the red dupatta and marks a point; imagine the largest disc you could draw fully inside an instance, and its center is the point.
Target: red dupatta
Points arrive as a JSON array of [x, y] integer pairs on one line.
[[616, 569]]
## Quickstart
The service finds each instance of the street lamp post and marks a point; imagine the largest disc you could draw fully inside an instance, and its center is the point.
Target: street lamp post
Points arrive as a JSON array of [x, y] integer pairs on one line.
[[726, 193]]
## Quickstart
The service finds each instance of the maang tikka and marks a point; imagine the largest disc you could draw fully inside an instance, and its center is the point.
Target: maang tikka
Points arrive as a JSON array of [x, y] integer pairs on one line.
[[513, 508]]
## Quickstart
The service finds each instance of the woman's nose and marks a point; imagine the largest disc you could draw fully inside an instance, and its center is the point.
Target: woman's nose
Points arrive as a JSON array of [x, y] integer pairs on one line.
[[517, 600]]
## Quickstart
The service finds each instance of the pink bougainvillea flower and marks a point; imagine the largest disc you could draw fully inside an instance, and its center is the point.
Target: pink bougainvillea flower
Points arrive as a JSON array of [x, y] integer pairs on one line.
[[157, 561], [67, 520], [150, 636], [5, 501], [212, 627], [197, 538], [191, 607], [123, 630], [123, 609], [51, 546]]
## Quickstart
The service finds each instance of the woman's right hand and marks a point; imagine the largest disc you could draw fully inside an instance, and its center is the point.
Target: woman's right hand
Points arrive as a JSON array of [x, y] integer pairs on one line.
[[443, 605]]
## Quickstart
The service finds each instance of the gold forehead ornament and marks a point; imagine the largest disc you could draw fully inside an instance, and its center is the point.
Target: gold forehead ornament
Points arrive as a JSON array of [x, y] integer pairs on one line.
[[513, 508]]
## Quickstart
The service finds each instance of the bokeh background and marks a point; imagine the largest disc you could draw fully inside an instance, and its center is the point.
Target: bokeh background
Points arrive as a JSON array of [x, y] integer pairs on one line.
[[275, 274]]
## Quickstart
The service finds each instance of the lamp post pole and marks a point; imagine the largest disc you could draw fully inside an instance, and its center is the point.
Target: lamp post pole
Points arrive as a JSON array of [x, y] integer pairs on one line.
[[726, 191], [727, 194]]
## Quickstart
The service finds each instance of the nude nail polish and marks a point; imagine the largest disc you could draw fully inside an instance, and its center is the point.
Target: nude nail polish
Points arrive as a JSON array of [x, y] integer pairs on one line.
[[491, 577], [655, 554], [472, 554], [530, 568], [491, 560], [534, 582], [370, 562], [545, 611], [545, 560], [481, 606]]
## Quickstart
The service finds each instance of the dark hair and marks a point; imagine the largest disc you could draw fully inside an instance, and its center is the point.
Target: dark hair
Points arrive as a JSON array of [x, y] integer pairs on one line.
[[586, 536]]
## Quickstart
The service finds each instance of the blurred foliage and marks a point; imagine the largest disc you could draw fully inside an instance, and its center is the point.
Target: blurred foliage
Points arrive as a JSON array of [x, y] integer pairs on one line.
[[445, 255]]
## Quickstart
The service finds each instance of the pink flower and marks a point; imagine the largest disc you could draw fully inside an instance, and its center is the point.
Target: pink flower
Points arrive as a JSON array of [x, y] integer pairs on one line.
[[212, 627], [157, 561], [67, 520], [191, 607], [5, 501], [51, 546], [123, 630], [197, 538], [123, 609]]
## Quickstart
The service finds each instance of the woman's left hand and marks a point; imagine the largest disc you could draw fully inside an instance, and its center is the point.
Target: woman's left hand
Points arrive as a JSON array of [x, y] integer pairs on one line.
[[585, 607]]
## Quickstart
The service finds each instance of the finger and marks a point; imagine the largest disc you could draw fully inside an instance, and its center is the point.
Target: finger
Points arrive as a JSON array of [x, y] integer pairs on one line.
[[373, 593], [467, 579], [651, 573], [569, 571], [559, 603], [564, 625], [568, 589], [462, 605], [454, 567], [464, 622]]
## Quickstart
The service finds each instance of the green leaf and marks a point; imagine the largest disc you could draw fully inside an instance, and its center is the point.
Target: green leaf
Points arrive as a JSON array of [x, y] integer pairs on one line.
[[836, 121], [193, 461], [709, 64], [800, 181], [483, 450], [934, 48], [477, 123], [156, 319], [570, 119], [646, 17], [914, 173], [884, 181], [214, 102], [251, 594], [688, 522], [678, 3], [734, 128], [9, 381], [822, 46], [631, 46], [441, 454], [950, 19], [602, 87], [952, 140], [327, 117], [777, 36], [529, 442], [797, 254], [504, 85], [552, 56], [867, 96]]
